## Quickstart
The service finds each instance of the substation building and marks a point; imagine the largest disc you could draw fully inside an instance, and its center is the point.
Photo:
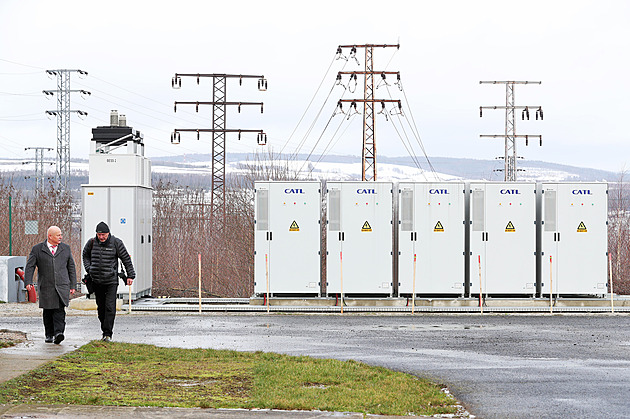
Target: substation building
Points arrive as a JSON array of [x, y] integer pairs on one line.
[[119, 193]]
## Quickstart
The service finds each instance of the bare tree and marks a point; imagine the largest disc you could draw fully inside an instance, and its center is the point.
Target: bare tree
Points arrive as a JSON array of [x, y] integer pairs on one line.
[[619, 234]]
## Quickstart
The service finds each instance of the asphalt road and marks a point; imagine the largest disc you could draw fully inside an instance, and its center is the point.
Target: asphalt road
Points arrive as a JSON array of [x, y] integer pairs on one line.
[[498, 366]]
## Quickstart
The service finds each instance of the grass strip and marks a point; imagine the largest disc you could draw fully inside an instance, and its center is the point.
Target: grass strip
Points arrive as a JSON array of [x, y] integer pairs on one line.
[[123, 374]]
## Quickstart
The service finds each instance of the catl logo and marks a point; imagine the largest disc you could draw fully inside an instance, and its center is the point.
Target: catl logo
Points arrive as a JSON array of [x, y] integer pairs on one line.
[[438, 191], [581, 192], [510, 192], [290, 191], [366, 191]]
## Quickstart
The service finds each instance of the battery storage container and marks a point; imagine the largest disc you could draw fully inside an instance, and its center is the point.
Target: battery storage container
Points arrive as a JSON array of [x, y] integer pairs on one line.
[[359, 238], [431, 236], [287, 238], [574, 238], [503, 238]]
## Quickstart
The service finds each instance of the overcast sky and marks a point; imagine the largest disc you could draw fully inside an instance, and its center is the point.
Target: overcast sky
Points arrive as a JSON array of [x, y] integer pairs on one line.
[[578, 49]]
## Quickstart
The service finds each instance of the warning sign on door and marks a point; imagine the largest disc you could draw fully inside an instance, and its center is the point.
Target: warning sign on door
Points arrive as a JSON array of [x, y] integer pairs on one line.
[[438, 227], [582, 228], [366, 227], [294, 226], [509, 228]]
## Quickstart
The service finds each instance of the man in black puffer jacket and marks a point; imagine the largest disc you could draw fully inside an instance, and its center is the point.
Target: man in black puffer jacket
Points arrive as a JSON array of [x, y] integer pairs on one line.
[[100, 259]]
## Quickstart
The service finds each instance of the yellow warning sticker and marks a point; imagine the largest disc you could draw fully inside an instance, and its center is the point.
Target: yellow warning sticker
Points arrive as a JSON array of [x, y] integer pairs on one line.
[[509, 228], [294, 226], [439, 227], [582, 228], [366, 227]]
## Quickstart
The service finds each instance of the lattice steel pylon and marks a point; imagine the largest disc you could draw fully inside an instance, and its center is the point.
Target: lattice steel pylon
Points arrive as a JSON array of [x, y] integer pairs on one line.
[[39, 166], [368, 153], [219, 131], [510, 136], [62, 113]]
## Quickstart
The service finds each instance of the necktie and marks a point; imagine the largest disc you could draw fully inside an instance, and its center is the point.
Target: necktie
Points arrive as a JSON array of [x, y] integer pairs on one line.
[[54, 248]]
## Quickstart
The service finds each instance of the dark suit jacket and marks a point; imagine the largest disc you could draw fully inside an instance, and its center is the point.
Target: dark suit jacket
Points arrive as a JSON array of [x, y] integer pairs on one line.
[[56, 274]]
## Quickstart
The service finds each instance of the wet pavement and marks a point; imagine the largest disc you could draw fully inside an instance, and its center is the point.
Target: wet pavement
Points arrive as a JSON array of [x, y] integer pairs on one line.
[[498, 366]]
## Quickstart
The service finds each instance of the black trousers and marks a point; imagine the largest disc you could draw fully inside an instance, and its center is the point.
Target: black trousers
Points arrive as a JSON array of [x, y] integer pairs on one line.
[[106, 303], [55, 320]]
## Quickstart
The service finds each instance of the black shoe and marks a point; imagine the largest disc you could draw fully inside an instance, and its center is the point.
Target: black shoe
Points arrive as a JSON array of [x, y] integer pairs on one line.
[[106, 338], [58, 338], [49, 339]]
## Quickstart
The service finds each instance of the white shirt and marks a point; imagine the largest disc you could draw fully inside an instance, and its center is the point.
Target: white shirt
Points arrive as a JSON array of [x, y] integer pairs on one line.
[[50, 246]]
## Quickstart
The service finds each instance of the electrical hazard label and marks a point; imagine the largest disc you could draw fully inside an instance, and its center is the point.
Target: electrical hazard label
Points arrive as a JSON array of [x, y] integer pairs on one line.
[[509, 228], [581, 228], [294, 226], [438, 227], [366, 227]]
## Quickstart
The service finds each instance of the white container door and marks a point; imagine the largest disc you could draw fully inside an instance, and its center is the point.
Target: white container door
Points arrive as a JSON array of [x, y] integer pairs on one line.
[[432, 232], [290, 244], [508, 240], [576, 239], [363, 238]]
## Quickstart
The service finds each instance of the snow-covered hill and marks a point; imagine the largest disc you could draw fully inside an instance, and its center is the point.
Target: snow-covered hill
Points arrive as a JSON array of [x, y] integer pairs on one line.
[[347, 168]]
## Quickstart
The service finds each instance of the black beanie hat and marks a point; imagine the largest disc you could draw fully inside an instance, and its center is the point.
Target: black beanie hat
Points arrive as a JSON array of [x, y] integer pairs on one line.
[[102, 228]]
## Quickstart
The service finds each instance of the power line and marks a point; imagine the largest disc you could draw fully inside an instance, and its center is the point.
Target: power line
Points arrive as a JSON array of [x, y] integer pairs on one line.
[[23, 65], [309, 105], [416, 131]]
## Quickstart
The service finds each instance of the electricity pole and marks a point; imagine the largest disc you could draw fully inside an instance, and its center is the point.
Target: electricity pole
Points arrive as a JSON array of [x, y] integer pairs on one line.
[[510, 135], [39, 166], [368, 154], [218, 130], [63, 121]]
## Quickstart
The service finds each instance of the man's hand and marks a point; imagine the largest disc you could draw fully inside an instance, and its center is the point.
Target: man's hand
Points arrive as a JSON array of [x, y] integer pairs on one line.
[[129, 281], [72, 291], [29, 287]]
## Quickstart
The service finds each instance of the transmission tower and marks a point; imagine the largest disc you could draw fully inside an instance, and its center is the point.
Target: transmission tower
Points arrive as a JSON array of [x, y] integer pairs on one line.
[[62, 113], [219, 131], [368, 154], [39, 166], [510, 135]]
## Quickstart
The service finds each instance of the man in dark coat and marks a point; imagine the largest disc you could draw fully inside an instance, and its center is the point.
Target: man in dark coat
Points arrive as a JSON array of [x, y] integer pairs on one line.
[[100, 259], [56, 279]]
